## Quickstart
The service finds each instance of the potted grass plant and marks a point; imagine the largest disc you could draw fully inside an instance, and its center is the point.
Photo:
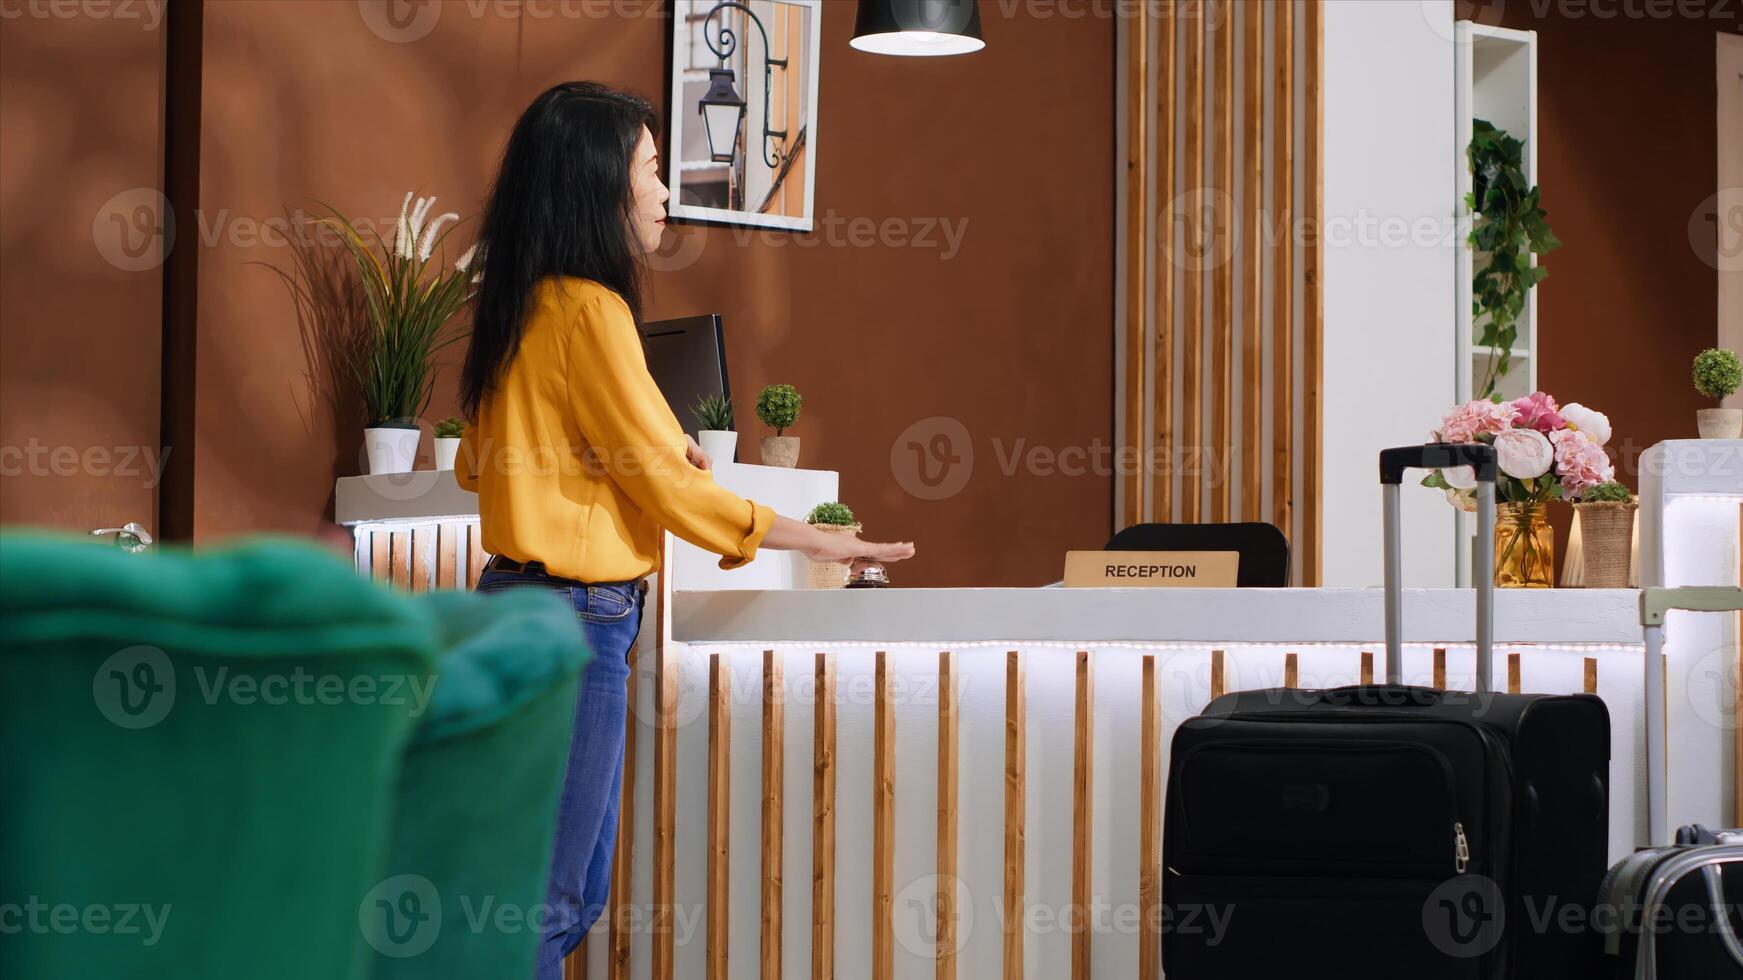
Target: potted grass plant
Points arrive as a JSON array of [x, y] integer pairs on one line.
[[1606, 516], [411, 299], [713, 414], [448, 434], [778, 408], [836, 518], [1718, 373]]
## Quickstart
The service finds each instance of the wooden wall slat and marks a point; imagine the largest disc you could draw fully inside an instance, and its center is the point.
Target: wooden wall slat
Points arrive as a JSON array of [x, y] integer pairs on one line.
[[945, 951], [1591, 675], [380, 553], [448, 554], [400, 559], [774, 725], [1312, 297], [1367, 667], [1439, 679], [423, 557], [1283, 267], [1291, 671], [883, 822], [665, 810], [1016, 812], [1513, 673], [1162, 480], [1149, 824], [1082, 815], [475, 555], [1137, 238], [1192, 278], [719, 808], [1220, 466], [1216, 674], [823, 823], [1252, 258], [575, 964]]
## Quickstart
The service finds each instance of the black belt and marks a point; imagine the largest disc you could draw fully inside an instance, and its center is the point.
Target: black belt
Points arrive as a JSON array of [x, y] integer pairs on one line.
[[499, 563]]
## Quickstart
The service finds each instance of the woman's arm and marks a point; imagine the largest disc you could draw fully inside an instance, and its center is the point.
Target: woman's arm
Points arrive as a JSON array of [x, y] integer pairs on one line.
[[787, 534]]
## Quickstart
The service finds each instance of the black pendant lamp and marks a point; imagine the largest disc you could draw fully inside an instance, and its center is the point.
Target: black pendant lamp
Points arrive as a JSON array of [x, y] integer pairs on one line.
[[918, 27]]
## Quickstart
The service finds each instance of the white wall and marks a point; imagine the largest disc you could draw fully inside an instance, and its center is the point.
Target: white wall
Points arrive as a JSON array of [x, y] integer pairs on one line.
[[1389, 275]]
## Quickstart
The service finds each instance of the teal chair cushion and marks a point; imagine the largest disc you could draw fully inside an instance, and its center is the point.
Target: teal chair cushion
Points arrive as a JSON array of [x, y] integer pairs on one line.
[[198, 756], [464, 887]]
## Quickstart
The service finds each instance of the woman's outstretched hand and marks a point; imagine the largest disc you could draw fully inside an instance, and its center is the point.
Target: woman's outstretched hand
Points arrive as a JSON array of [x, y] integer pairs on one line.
[[790, 535]]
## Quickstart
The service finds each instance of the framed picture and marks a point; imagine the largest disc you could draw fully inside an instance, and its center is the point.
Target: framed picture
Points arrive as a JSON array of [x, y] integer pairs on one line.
[[742, 137]]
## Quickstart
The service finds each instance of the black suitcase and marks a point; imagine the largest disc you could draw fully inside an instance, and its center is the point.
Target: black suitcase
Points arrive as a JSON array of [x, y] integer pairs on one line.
[[1672, 912], [1389, 831]]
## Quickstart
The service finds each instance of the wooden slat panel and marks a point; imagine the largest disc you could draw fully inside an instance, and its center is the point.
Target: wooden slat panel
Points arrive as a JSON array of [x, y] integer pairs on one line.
[[380, 543], [823, 824], [1291, 671], [1167, 117], [1439, 682], [1016, 813], [1216, 674], [1192, 277], [401, 560], [1312, 297], [622, 912], [1283, 268], [883, 822], [665, 809], [575, 964], [774, 725], [475, 556], [945, 953], [719, 806], [1082, 815], [1221, 463], [1367, 667], [1137, 238], [1149, 824], [1252, 256], [423, 557], [1513, 673], [1591, 678], [448, 554]]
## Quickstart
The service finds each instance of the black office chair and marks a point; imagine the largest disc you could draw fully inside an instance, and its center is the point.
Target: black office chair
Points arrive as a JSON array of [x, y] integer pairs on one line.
[[1264, 550]]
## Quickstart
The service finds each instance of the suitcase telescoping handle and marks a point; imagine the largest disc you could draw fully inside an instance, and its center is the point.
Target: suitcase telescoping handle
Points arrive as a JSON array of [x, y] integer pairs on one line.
[[1438, 456]]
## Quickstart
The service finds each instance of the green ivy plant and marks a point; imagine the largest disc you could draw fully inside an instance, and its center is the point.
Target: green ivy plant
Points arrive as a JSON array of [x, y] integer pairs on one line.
[[1508, 229], [778, 407], [833, 513], [713, 413], [452, 427], [1718, 373], [1610, 491]]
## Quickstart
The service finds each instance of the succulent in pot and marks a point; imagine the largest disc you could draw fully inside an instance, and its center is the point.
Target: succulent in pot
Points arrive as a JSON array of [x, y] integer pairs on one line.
[[713, 414], [1606, 519], [778, 407], [1717, 375], [449, 432], [836, 518]]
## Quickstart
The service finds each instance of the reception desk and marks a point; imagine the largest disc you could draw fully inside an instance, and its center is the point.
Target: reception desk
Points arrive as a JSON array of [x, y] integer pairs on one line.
[[810, 772]]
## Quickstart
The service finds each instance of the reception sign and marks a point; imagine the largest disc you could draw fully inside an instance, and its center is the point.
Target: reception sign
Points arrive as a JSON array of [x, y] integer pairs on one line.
[[1151, 569]]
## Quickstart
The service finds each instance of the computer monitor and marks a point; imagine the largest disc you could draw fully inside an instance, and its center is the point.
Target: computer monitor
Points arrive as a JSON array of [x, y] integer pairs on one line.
[[687, 358]]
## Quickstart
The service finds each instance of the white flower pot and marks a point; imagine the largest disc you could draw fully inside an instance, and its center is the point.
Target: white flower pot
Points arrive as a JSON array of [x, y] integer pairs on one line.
[[447, 447], [392, 448], [720, 446], [1720, 423]]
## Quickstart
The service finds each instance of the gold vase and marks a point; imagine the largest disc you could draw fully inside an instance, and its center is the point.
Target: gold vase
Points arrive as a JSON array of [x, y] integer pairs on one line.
[[1524, 547]]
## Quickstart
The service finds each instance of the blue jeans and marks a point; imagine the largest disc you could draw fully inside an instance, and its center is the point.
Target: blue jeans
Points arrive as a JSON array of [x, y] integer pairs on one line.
[[580, 879]]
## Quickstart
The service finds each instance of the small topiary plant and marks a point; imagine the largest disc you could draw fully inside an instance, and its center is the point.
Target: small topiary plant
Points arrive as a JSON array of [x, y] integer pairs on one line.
[[778, 407], [833, 513], [1718, 373], [1610, 491], [451, 427], [713, 413]]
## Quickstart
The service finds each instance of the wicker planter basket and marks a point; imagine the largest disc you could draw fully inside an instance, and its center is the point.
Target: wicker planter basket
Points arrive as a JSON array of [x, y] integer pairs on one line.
[[1606, 538], [831, 574]]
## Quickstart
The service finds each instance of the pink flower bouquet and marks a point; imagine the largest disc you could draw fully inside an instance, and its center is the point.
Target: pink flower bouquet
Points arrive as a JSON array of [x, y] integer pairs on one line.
[[1545, 451]]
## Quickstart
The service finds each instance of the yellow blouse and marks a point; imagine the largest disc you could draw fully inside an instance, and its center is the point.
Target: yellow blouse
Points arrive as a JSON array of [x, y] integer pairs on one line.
[[576, 458]]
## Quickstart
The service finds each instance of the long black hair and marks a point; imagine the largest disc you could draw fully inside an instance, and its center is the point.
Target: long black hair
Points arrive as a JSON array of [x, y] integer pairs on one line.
[[562, 206]]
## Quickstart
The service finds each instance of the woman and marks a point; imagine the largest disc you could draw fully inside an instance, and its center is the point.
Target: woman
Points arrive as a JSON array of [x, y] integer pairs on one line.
[[577, 461]]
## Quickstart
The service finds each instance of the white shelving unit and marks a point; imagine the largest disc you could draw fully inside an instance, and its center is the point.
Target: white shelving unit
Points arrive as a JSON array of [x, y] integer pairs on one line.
[[1496, 81]]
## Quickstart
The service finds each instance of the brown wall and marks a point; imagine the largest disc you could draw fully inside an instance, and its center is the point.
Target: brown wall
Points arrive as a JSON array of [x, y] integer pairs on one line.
[[1009, 335], [1626, 159]]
